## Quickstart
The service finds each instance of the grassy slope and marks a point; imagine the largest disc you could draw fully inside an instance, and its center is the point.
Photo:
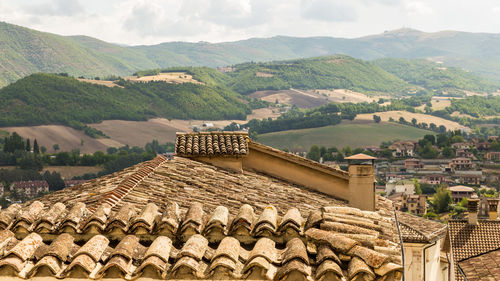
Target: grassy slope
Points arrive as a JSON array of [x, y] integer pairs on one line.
[[346, 134]]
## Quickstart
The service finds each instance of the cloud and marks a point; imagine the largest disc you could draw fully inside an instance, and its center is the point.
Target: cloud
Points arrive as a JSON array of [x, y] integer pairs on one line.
[[327, 10], [66, 8], [418, 8]]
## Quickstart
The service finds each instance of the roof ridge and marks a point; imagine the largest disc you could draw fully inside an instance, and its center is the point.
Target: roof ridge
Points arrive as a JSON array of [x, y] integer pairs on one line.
[[114, 196]]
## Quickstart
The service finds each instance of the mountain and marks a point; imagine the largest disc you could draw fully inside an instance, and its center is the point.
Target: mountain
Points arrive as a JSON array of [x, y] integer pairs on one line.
[[25, 51]]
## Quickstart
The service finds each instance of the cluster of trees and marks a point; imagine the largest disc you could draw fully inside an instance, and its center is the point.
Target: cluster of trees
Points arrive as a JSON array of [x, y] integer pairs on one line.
[[476, 106], [328, 114], [333, 153]]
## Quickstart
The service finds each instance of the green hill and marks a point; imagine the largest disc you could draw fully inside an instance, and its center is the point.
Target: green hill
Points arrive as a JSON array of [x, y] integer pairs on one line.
[[26, 51], [436, 77], [54, 99], [337, 72], [342, 135]]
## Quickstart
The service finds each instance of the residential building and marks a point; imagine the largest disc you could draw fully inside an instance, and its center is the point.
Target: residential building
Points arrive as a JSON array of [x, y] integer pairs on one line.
[[415, 204], [461, 145], [483, 146], [414, 164], [458, 192], [70, 183], [30, 188], [434, 179], [224, 207], [424, 254], [474, 245], [461, 163], [492, 156], [400, 187], [470, 179], [403, 148], [464, 153]]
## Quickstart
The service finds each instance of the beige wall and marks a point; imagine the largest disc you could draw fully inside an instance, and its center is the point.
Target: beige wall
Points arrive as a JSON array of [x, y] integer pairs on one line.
[[313, 177], [362, 187], [414, 259]]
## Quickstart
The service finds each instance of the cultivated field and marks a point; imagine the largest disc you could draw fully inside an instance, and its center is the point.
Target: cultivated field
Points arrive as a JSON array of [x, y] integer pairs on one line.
[[100, 82], [67, 172], [354, 134], [133, 133], [169, 77], [312, 98], [67, 138], [408, 116]]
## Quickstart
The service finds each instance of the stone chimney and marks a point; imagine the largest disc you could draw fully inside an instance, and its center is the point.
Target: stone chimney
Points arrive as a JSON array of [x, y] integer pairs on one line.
[[472, 209], [362, 182]]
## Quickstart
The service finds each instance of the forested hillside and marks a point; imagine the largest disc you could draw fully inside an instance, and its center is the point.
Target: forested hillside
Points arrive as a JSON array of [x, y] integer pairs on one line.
[[55, 99], [436, 77], [332, 72]]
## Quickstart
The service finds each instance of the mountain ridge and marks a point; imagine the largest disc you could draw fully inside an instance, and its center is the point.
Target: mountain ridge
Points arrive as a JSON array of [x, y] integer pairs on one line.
[[28, 51]]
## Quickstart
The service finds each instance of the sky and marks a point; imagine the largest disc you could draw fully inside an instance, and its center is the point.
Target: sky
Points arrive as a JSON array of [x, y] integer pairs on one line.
[[146, 22]]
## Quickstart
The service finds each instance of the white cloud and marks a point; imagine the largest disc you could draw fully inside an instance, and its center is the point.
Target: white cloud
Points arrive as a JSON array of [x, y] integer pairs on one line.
[[155, 21], [418, 8], [327, 10]]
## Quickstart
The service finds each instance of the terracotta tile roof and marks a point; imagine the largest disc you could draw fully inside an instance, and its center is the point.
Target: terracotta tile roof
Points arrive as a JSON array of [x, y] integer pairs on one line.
[[30, 184], [184, 181], [415, 229], [331, 241], [482, 267], [183, 219], [472, 240], [361, 156], [210, 144]]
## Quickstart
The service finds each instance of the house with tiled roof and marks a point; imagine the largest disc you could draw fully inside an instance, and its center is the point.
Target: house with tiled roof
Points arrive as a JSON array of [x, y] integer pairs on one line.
[[424, 254], [223, 207], [30, 188], [475, 243]]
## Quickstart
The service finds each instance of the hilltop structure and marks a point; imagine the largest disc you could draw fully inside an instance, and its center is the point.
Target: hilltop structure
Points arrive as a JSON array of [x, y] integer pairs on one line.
[[222, 207]]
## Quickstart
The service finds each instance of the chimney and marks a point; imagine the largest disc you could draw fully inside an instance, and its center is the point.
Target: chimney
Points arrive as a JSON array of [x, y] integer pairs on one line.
[[472, 209], [493, 208], [361, 182]]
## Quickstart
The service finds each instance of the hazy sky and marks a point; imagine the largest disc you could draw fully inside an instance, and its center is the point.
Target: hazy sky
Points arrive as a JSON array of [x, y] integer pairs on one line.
[[137, 22]]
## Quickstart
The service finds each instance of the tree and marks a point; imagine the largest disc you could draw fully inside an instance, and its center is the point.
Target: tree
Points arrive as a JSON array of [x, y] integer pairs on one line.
[[314, 153], [430, 138], [448, 152], [43, 149], [414, 121], [402, 120], [442, 199], [55, 147], [54, 180], [28, 145], [418, 190], [376, 118], [30, 161], [36, 148], [442, 129]]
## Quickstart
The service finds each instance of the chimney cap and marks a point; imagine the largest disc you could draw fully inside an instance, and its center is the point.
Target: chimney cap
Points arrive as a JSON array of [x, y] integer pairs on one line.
[[360, 156]]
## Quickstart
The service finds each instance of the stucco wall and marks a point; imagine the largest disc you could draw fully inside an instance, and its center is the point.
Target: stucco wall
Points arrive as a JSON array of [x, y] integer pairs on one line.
[[312, 177], [414, 257]]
